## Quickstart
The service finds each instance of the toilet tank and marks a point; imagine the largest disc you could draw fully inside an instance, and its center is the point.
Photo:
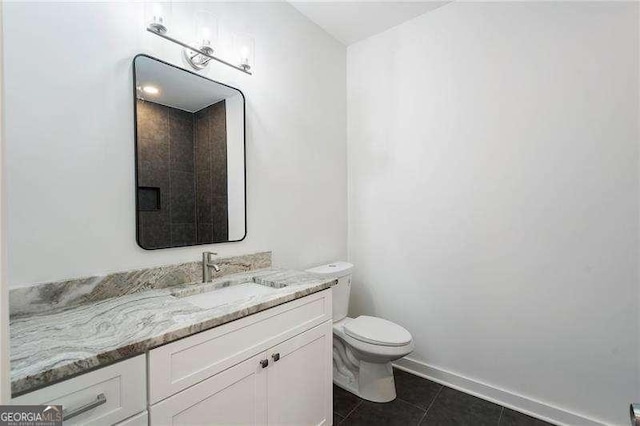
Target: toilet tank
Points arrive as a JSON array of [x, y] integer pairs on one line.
[[340, 292]]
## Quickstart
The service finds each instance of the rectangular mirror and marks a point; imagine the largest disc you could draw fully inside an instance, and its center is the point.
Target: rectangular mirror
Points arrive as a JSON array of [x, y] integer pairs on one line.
[[190, 157]]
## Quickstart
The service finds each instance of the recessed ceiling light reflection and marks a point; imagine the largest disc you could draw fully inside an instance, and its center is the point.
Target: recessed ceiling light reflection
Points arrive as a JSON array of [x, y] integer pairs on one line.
[[150, 90]]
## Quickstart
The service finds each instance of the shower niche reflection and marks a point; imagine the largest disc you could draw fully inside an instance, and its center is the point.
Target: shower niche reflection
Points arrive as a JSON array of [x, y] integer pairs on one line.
[[190, 157]]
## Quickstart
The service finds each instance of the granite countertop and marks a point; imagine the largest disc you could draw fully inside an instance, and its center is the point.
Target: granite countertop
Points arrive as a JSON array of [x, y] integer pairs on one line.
[[55, 345]]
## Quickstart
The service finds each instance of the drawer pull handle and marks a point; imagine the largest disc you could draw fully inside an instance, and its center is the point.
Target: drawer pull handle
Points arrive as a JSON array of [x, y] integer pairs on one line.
[[275, 357], [68, 414], [264, 363]]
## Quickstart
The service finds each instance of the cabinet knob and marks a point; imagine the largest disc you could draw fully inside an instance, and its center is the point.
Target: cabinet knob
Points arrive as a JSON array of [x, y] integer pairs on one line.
[[264, 363], [275, 357]]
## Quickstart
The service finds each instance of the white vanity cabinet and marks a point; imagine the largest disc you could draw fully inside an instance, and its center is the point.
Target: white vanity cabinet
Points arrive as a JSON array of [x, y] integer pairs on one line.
[[271, 368], [299, 384], [290, 384], [105, 396], [141, 419]]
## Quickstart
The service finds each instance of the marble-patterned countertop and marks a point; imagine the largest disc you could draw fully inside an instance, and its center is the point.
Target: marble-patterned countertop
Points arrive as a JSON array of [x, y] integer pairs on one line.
[[55, 345]]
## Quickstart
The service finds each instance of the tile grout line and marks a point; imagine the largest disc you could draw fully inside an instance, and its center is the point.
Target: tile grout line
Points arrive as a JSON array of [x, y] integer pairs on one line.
[[352, 410], [424, 416], [413, 405], [434, 398]]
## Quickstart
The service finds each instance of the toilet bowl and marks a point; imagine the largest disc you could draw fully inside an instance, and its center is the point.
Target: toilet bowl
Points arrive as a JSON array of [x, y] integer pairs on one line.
[[362, 359], [363, 347]]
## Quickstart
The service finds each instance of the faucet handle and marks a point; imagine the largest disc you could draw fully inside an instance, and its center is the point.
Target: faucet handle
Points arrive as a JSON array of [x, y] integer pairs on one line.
[[207, 255]]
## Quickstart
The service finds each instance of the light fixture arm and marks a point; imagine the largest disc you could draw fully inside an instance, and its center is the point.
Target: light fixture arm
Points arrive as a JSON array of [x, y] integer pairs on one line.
[[196, 50]]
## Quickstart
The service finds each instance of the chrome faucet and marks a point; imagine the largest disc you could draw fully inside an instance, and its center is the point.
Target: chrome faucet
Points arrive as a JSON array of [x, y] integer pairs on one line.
[[207, 264]]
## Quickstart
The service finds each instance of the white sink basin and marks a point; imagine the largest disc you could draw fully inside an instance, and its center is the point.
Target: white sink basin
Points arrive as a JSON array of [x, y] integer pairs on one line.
[[227, 295]]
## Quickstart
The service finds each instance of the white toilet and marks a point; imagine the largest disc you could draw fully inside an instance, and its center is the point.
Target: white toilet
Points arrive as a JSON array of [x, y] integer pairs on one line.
[[363, 347]]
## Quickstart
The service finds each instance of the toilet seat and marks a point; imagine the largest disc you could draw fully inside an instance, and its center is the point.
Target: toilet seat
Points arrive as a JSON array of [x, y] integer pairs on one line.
[[377, 331]]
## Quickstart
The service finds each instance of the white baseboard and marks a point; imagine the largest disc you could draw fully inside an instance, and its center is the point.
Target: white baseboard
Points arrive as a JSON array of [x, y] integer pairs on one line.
[[505, 398]]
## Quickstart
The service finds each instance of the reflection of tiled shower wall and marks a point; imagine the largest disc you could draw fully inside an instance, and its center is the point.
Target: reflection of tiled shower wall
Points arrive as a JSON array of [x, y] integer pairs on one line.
[[170, 155], [211, 173]]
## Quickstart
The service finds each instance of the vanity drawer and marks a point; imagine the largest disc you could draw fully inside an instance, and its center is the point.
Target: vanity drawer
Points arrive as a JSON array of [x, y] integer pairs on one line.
[[115, 393], [183, 363], [141, 419]]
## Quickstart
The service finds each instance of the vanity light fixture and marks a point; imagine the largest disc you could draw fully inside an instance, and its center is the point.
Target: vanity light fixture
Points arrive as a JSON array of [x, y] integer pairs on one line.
[[199, 57], [244, 48], [157, 17], [206, 36]]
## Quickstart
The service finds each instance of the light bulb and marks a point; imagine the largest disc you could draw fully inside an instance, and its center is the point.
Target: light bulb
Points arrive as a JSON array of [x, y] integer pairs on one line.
[[206, 36], [244, 48], [206, 27], [244, 55]]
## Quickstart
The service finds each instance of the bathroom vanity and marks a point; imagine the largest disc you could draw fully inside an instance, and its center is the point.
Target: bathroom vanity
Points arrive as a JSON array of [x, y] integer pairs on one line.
[[248, 348], [157, 346]]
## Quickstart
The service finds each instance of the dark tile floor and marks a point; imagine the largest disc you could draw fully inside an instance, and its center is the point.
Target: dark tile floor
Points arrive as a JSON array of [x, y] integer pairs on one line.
[[425, 403]]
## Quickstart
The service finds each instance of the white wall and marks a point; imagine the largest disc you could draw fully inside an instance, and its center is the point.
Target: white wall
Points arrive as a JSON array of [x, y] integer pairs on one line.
[[235, 166], [69, 115], [493, 198]]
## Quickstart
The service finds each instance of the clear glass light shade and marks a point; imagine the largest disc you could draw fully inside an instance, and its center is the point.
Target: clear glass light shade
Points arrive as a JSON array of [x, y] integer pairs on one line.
[[244, 48], [157, 15], [206, 26], [225, 41]]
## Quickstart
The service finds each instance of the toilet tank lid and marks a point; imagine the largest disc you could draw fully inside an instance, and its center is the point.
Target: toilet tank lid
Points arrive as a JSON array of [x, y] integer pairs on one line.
[[335, 269]]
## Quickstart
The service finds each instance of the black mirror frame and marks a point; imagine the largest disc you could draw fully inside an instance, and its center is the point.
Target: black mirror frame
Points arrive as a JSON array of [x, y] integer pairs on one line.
[[135, 138]]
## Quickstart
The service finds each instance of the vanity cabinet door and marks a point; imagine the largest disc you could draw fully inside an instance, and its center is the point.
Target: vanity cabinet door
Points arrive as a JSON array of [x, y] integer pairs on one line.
[[236, 396], [300, 379]]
